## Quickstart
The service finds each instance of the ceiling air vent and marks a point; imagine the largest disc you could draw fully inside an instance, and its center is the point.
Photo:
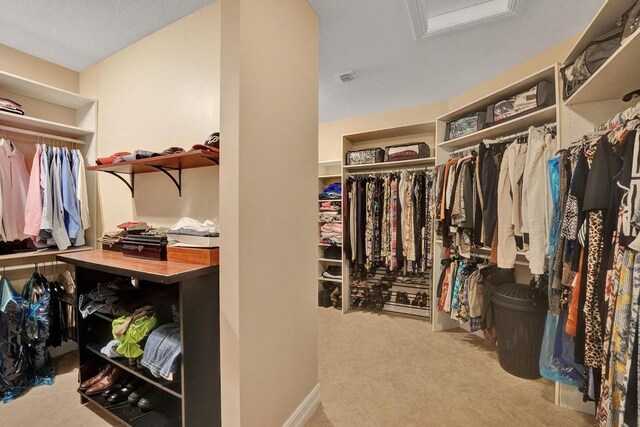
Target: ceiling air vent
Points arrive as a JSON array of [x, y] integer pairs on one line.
[[347, 77]]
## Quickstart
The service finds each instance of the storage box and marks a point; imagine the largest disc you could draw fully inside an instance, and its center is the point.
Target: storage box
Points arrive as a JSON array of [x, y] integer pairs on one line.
[[201, 256], [143, 249], [365, 157]]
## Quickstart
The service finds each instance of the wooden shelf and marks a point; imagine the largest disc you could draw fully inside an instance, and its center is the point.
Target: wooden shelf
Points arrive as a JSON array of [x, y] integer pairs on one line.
[[389, 165], [156, 271], [326, 279], [165, 164], [329, 222], [329, 200], [39, 125], [132, 415], [23, 258], [327, 245], [22, 86], [168, 386], [329, 176], [615, 78], [536, 118], [333, 261], [186, 160]]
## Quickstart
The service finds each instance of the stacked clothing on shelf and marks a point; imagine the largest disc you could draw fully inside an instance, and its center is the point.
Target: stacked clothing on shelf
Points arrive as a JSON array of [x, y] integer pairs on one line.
[[333, 272], [389, 220], [56, 204], [333, 191], [329, 216], [496, 197], [11, 106], [331, 234], [192, 232]]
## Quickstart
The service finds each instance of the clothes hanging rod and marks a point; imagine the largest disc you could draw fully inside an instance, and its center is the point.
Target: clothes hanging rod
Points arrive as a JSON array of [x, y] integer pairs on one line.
[[634, 110], [42, 135], [389, 171]]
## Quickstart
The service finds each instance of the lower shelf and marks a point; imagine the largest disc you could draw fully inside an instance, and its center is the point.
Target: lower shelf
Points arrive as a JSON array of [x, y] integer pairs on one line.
[[170, 387], [133, 416], [329, 279]]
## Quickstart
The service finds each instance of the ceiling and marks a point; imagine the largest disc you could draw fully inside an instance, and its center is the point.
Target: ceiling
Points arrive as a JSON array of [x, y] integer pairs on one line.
[[373, 38], [79, 33]]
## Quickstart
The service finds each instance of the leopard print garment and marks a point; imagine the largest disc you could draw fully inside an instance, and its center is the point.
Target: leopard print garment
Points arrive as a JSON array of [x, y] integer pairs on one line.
[[593, 329]]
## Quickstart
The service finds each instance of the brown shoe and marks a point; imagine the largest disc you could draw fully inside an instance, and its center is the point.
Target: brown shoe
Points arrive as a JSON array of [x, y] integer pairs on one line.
[[105, 382], [91, 381]]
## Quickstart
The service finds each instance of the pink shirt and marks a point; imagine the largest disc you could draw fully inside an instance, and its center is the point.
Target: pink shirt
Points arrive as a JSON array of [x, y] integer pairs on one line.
[[14, 181], [33, 208]]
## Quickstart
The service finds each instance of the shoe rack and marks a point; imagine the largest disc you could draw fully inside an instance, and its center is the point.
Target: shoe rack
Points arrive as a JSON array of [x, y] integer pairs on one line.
[[193, 396]]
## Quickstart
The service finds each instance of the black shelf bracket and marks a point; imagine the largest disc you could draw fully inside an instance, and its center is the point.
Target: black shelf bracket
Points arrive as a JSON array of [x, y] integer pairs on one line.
[[165, 170], [214, 161], [131, 184]]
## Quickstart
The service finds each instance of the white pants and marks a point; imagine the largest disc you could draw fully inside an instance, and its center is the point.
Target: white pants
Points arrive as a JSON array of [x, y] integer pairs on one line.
[[509, 203]]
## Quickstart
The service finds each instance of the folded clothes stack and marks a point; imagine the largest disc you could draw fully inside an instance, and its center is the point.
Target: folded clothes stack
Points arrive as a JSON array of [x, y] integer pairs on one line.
[[333, 272], [333, 191], [107, 298], [329, 207], [333, 252], [111, 239], [331, 234], [329, 217], [163, 350], [11, 106], [191, 232]]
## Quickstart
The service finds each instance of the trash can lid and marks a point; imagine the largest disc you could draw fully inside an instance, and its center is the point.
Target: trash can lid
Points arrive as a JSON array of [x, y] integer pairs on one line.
[[518, 297]]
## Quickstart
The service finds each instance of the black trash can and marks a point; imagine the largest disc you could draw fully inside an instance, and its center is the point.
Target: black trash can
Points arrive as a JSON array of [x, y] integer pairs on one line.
[[520, 326]]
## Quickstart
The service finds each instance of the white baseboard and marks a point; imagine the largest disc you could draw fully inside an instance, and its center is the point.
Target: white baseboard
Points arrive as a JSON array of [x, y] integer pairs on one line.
[[305, 410]]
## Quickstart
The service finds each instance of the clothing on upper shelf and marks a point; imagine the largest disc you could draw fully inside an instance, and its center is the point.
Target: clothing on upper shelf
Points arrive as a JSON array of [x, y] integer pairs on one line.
[[11, 106], [390, 219], [496, 198], [333, 272], [191, 227], [333, 191]]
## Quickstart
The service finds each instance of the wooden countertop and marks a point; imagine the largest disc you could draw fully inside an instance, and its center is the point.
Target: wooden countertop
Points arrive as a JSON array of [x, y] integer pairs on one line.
[[156, 271]]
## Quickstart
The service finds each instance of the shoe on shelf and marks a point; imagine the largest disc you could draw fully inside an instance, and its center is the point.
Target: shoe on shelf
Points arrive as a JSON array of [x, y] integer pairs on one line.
[[153, 400], [101, 374], [128, 388], [138, 394], [105, 382]]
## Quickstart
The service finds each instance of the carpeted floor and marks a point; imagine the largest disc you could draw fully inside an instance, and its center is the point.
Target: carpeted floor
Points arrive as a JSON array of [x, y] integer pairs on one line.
[[382, 370], [375, 370]]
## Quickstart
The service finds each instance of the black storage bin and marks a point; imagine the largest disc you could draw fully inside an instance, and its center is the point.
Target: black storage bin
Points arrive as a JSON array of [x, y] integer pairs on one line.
[[520, 327]]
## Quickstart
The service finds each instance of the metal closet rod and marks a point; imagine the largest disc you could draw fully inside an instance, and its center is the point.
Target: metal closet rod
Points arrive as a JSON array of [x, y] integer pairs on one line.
[[388, 171], [503, 139], [42, 135]]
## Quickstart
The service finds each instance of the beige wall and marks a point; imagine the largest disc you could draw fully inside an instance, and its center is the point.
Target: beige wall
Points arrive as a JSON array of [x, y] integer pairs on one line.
[[330, 133], [162, 91], [269, 124], [24, 65]]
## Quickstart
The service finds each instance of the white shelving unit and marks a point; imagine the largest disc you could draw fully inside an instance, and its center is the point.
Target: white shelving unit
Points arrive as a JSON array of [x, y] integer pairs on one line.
[[57, 117], [442, 321], [328, 173], [380, 138]]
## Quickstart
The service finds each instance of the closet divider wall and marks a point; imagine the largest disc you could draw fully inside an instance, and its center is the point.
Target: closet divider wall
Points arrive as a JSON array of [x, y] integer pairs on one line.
[[421, 132]]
